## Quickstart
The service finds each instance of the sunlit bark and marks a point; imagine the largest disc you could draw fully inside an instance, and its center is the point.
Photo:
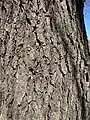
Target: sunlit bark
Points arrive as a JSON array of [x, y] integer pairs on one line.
[[44, 60]]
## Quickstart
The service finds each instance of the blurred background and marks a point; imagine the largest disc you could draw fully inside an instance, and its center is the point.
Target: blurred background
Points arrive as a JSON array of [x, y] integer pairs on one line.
[[87, 17]]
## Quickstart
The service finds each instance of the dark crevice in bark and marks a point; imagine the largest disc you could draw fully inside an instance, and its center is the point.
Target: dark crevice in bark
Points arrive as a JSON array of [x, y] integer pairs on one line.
[[61, 71], [67, 65], [81, 99], [87, 77], [47, 4], [3, 7], [68, 9], [61, 0], [28, 20], [51, 25], [48, 114], [83, 114], [44, 81], [70, 38], [76, 112], [38, 41], [32, 70], [21, 6], [53, 2], [34, 28], [0, 99]]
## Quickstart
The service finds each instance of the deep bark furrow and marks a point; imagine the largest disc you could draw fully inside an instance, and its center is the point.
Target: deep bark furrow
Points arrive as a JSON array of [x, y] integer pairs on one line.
[[44, 66]]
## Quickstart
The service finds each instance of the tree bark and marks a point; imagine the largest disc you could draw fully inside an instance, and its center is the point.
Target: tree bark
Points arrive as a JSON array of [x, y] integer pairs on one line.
[[44, 64]]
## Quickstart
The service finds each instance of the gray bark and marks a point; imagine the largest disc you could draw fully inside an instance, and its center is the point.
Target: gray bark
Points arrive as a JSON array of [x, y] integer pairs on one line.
[[44, 64]]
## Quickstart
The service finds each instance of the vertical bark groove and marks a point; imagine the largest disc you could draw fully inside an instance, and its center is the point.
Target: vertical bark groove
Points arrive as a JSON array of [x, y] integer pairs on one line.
[[44, 64]]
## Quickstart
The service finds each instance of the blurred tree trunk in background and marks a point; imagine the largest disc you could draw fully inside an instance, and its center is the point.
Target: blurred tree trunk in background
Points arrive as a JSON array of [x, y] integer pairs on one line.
[[43, 63]]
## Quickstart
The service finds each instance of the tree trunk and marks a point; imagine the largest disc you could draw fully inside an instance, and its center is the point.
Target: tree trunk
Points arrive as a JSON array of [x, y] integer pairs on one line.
[[44, 60]]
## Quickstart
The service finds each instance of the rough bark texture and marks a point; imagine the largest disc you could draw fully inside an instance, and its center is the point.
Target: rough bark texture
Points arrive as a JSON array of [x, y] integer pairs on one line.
[[43, 64]]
